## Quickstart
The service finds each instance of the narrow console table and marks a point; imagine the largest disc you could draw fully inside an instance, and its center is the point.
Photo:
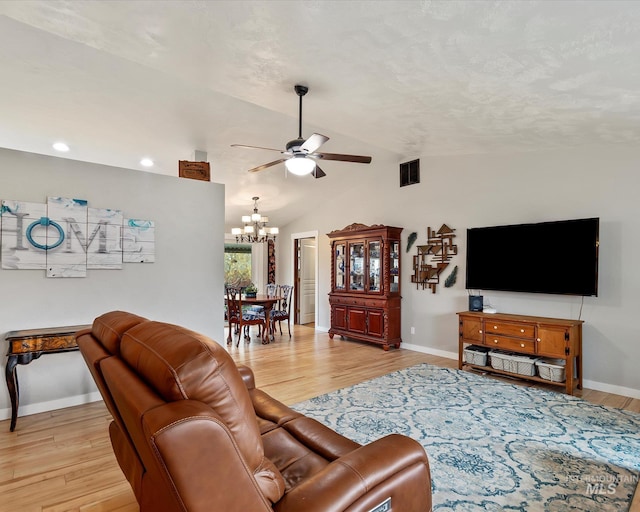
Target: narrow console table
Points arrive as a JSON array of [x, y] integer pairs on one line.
[[30, 344], [556, 338]]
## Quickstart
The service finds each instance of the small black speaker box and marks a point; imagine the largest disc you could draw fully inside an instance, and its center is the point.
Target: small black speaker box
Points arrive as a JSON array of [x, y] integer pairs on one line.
[[475, 302]]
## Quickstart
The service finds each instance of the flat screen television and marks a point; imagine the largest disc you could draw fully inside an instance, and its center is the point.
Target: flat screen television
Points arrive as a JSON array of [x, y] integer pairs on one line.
[[548, 257]]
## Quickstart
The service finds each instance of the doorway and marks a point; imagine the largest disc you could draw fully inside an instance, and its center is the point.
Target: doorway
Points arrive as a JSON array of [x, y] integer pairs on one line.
[[305, 250]]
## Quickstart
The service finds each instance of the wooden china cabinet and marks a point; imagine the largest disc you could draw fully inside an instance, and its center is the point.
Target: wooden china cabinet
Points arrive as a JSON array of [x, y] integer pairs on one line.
[[365, 284]]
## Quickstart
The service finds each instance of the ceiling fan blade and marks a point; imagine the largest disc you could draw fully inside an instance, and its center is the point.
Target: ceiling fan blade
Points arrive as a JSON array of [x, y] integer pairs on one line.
[[264, 166], [313, 143], [254, 147], [344, 158], [318, 173]]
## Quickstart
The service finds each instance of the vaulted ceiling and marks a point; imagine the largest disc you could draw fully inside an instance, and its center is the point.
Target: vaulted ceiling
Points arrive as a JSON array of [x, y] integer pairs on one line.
[[392, 79]]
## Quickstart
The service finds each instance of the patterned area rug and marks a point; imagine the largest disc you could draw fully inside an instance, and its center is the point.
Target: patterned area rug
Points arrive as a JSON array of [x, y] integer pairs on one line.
[[494, 446]]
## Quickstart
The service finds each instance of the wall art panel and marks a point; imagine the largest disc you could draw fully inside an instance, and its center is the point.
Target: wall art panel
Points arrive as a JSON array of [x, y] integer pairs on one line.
[[24, 238], [67, 241], [104, 242], [138, 241]]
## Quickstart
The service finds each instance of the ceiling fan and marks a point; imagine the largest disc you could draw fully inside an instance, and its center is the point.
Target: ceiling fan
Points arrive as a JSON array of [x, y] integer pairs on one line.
[[300, 154]]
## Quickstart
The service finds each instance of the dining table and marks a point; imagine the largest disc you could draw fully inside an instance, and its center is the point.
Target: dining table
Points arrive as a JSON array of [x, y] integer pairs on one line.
[[266, 301]]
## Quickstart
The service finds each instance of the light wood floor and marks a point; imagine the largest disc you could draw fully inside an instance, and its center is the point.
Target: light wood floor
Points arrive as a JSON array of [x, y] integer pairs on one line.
[[62, 460]]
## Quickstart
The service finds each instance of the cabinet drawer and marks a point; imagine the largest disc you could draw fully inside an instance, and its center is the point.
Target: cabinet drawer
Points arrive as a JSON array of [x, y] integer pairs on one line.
[[364, 302], [509, 329], [368, 303], [507, 343]]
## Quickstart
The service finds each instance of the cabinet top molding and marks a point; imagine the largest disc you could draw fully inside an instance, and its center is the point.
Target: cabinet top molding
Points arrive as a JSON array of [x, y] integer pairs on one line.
[[359, 227]]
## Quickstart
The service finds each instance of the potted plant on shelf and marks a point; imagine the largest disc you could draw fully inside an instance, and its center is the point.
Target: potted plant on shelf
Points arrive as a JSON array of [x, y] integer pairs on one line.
[[250, 290]]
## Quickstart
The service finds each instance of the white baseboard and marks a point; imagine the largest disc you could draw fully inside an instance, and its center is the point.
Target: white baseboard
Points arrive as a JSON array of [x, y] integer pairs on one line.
[[611, 388], [428, 350], [588, 384], [51, 405]]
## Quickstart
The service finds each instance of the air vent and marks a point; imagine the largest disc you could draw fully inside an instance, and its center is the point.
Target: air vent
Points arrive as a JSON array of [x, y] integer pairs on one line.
[[410, 173]]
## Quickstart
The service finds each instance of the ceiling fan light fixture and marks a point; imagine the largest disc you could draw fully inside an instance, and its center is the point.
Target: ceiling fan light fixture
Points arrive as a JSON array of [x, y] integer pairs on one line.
[[302, 152], [300, 165]]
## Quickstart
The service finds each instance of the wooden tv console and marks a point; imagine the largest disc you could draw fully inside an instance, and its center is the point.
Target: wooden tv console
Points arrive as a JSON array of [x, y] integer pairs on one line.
[[531, 335]]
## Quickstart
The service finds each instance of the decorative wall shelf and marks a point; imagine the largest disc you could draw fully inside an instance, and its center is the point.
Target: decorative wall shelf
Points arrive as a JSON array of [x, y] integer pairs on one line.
[[434, 257]]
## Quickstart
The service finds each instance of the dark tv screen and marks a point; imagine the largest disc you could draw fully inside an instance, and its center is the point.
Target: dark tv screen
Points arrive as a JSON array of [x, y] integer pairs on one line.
[[548, 257]]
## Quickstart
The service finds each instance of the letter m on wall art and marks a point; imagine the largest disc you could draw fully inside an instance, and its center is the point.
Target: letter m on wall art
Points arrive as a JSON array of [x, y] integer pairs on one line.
[[104, 245]]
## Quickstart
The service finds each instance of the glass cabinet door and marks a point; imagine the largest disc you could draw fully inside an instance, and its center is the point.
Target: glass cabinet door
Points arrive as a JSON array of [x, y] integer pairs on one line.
[[339, 268], [374, 267], [356, 266], [394, 269]]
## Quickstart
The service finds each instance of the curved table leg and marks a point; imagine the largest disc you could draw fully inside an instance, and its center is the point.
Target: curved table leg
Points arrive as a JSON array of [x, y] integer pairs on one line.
[[14, 390], [11, 374]]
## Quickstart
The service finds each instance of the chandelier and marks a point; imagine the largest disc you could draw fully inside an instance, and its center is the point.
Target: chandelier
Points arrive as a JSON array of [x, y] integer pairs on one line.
[[255, 228]]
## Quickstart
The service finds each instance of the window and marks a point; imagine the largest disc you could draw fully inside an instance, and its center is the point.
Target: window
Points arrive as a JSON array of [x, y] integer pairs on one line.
[[237, 265]]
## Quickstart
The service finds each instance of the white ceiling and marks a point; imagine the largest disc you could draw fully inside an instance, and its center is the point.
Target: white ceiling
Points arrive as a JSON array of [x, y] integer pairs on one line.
[[390, 79]]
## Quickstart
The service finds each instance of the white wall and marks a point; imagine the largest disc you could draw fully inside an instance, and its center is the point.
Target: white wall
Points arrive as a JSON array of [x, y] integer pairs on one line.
[[479, 190], [183, 286]]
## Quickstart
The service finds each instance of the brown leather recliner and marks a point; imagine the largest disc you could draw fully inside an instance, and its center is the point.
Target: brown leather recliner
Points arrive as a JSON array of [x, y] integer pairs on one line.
[[192, 433]]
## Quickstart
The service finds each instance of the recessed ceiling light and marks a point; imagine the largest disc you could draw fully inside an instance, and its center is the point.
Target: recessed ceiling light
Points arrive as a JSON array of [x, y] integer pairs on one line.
[[61, 146], [146, 162]]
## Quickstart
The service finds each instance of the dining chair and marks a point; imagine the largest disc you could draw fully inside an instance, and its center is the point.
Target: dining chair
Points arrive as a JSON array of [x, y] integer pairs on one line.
[[282, 310], [271, 289], [241, 319]]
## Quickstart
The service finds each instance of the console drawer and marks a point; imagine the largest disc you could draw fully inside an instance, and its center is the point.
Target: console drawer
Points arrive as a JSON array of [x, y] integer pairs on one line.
[[506, 343], [509, 329]]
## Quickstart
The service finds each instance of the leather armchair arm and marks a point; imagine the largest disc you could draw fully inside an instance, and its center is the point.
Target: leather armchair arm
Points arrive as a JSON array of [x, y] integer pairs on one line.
[[393, 467], [247, 376], [195, 448], [83, 332]]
